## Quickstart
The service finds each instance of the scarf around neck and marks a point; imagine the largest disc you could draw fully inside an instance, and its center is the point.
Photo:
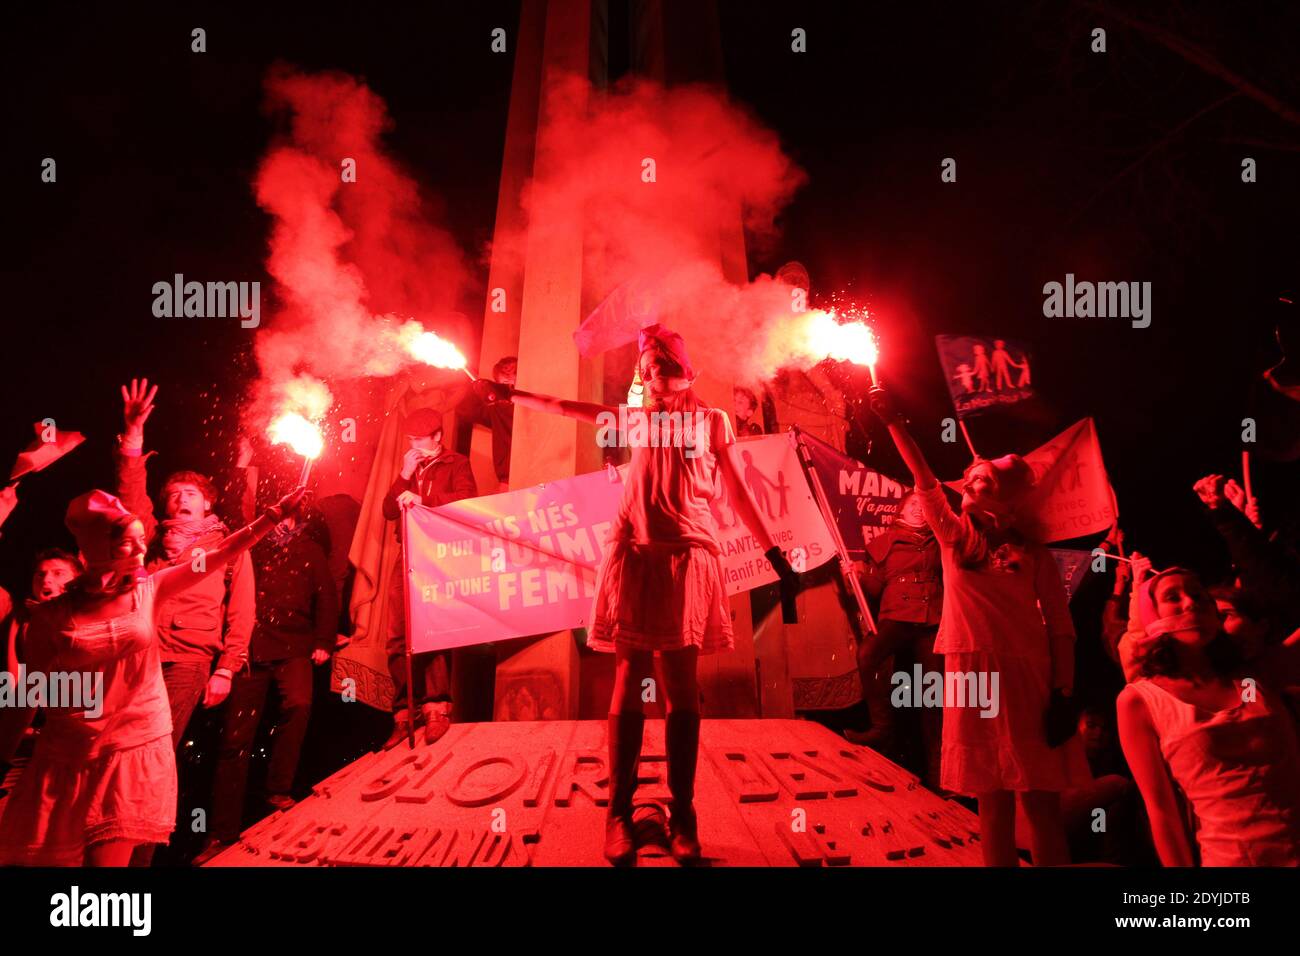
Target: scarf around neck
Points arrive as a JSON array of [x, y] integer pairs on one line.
[[179, 534]]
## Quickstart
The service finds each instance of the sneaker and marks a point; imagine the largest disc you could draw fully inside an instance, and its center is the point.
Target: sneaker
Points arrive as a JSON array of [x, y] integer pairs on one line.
[[281, 801]]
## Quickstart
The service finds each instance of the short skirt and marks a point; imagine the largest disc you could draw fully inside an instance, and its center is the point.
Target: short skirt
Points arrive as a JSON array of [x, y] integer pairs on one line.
[[60, 807], [661, 597]]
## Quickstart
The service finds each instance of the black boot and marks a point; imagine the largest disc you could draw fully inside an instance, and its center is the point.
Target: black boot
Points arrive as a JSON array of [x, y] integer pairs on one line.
[[682, 733], [624, 753]]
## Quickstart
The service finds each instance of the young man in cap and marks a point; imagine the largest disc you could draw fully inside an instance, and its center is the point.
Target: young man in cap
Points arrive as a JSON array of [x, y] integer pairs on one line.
[[432, 476]]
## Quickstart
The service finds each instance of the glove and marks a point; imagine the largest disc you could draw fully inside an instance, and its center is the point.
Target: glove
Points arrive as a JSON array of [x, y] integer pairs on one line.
[[291, 505], [883, 406], [1062, 718], [789, 584], [492, 392]]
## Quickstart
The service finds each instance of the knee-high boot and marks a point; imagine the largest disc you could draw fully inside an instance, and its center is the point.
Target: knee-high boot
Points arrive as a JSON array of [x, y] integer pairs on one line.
[[624, 752], [682, 733]]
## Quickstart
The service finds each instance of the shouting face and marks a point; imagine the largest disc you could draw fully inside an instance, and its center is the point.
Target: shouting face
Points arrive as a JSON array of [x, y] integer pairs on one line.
[[183, 499], [51, 577]]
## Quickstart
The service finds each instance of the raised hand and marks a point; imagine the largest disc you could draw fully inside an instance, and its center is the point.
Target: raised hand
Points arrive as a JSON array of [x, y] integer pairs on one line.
[[883, 406], [137, 405], [1141, 568], [1210, 490]]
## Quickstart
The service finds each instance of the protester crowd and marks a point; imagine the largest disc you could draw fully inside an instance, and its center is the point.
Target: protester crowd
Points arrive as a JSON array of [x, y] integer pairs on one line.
[[1156, 726]]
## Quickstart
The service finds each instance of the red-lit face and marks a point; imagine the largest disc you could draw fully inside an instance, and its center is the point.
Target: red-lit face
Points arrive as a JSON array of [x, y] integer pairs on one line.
[[51, 578], [131, 543], [658, 371], [429, 444], [1177, 594], [507, 374], [911, 513], [1247, 633], [182, 499], [744, 408], [980, 487]]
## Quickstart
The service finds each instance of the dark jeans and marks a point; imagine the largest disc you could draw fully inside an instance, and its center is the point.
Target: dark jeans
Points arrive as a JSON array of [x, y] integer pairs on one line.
[[431, 671], [244, 711], [185, 681]]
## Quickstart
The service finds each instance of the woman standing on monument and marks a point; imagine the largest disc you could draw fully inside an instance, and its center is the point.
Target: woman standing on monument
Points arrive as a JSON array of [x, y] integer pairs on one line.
[[660, 590], [1005, 617]]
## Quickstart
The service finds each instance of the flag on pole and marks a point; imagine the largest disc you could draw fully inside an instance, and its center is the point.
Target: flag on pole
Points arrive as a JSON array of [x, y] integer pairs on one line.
[[632, 306], [863, 501], [984, 374], [1072, 496], [51, 444]]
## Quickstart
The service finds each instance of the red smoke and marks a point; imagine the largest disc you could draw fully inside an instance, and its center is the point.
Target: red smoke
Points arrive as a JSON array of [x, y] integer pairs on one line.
[[716, 167], [350, 259]]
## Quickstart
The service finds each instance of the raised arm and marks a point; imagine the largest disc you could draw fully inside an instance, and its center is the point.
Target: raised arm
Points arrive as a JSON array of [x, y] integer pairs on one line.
[[172, 580], [588, 412], [129, 457], [907, 447]]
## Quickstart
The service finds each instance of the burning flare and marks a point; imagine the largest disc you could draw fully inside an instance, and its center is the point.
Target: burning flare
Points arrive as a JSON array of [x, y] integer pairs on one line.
[[849, 342], [430, 348], [298, 433]]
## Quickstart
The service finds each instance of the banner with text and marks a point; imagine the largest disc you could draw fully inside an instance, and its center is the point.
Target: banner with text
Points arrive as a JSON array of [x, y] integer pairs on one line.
[[863, 500], [525, 562]]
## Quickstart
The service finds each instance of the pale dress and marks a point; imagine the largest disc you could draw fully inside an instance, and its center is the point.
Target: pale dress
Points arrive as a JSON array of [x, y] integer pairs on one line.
[[95, 778], [1240, 770], [660, 587], [1006, 616]]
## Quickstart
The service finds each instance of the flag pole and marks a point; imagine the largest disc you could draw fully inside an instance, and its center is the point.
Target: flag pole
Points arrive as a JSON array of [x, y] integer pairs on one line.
[[965, 434], [1245, 474], [406, 630], [824, 506]]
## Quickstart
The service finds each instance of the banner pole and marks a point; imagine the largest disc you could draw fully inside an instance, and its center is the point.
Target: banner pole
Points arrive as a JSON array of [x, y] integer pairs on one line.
[[406, 631], [823, 504], [965, 434]]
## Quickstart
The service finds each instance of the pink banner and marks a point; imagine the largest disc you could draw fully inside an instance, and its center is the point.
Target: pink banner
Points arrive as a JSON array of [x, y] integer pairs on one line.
[[525, 562]]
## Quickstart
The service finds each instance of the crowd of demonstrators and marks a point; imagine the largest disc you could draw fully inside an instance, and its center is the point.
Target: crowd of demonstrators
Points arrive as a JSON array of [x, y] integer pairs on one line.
[[1184, 718], [431, 475], [101, 785]]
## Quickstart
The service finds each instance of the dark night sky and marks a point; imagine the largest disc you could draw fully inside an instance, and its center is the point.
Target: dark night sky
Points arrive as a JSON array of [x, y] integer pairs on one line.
[[156, 147]]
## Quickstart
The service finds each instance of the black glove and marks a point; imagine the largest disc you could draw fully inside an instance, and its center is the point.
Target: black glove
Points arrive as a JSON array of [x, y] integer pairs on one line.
[[883, 406], [291, 505], [788, 581], [492, 392], [1062, 718]]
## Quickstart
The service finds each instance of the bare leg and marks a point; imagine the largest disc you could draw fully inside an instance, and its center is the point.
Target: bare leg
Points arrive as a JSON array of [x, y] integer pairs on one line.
[[1047, 840], [110, 853], [998, 828]]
